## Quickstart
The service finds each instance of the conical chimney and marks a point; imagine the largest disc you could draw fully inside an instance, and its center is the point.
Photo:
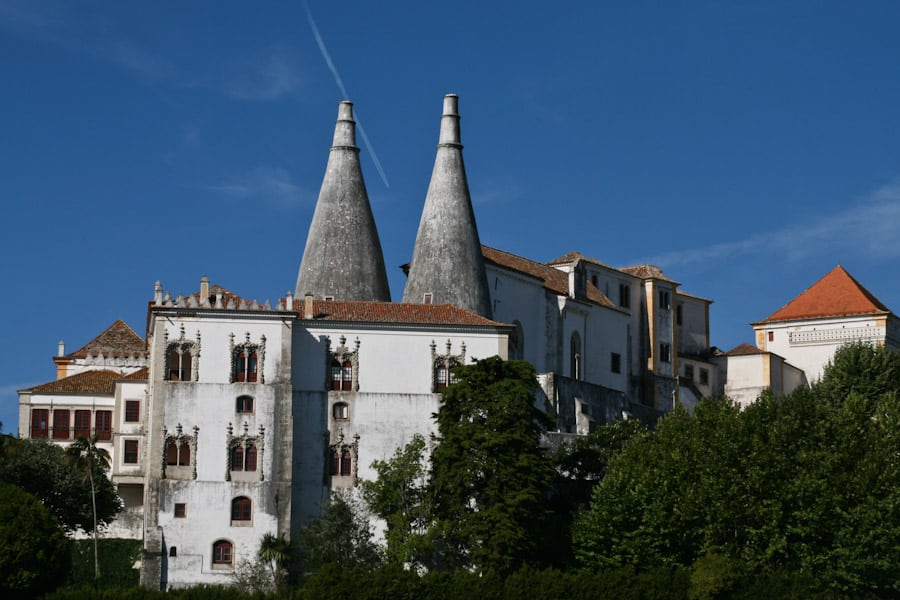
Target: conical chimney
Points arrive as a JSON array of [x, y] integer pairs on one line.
[[343, 259], [447, 265]]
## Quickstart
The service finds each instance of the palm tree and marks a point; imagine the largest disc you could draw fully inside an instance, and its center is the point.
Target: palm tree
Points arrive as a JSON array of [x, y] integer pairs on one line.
[[86, 456], [277, 552]]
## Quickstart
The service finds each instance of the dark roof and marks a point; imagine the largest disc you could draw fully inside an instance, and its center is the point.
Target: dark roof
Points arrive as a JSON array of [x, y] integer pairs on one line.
[[836, 294], [119, 340], [95, 381], [647, 272], [392, 312], [744, 349], [575, 256], [555, 280]]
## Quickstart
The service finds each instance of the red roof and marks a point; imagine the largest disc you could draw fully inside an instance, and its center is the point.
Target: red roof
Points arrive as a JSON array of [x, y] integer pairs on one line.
[[837, 294], [391, 312], [119, 340], [555, 280], [744, 349], [97, 381]]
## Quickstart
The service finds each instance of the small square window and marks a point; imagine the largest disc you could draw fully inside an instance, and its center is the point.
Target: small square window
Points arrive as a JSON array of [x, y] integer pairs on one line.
[[771, 336], [704, 376], [340, 411], [615, 362], [427, 298], [244, 404], [130, 452], [180, 510]]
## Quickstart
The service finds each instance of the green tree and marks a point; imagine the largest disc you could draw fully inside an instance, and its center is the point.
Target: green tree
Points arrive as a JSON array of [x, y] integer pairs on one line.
[[34, 552], [42, 469], [276, 552], [489, 479], [867, 370], [88, 458], [400, 495], [339, 536]]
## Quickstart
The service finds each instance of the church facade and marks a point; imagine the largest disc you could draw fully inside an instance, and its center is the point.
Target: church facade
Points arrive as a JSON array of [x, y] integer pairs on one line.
[[233, 419]]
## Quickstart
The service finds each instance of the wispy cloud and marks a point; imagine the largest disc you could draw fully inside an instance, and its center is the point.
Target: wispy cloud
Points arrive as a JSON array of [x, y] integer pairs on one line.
[[340, 83], [496, 191], [268, 78], [870, 227], [273, 184]]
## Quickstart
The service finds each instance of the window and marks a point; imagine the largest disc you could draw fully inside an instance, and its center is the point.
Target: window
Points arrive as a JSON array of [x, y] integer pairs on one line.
[[243, 459], [624, 295], [341, 462], [340, 411], [440, 377], [516, 342], [245, 365], [60, 424], [665, 301], [689, 372], [178, 455], [173, 551], [575, 356], [178, 362], [244, 404], [341, 375], [678, 315], [180, 510], [130, 452], [103, 424], [665, 353], [223, 552], [594, 280], [427, 298], [704, 376], [771, 336], [40, 422], [615, 362], [82, 423], [132, 411], [240, 509]]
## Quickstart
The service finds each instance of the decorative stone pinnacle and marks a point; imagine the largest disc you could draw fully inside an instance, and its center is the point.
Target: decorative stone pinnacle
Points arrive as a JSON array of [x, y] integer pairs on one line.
[[450, 121], [345, 128]]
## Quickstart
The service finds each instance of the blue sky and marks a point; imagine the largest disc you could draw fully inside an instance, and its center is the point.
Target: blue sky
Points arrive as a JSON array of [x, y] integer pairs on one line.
[[744, 147]]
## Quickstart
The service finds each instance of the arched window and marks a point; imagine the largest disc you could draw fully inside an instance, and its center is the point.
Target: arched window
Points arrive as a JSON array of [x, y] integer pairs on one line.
[[237, 458], [340, 411], [575, 356], [245, 364], [178, 362], [250, 458], [440, 377], [244, 404], [341, 375], [241, 509], [178, 455], [341, 461], [243, 459], [223, 553]]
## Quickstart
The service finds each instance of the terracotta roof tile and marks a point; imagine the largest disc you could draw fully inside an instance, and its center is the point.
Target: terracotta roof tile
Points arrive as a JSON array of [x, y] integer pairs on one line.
[[555, 280], [101, 382], [117, 340], [576, 256], [647, 272], [392, 312], [836, 294]]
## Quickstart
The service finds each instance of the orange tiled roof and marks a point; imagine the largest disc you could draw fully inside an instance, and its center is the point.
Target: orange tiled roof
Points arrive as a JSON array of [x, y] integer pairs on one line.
[[574, 256], [554, 280], [99, 381], [391, 312], [647, 272], [118, 340], [836, 294]]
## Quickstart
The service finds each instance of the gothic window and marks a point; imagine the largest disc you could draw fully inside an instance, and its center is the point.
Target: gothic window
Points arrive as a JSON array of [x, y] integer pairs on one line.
[[82, 424], [223, 554], [241, 509], [60, 424], [243, 459], [340, 411], [244, 455], [575, 356], [341, 461], [343, 367], [182, 357], [40, 422], [103, 424], [244, 404], [442, 366], [247, 360], [179, 454]]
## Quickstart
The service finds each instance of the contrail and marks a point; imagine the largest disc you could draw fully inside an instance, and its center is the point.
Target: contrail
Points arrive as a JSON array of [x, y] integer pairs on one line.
[[340, 84]]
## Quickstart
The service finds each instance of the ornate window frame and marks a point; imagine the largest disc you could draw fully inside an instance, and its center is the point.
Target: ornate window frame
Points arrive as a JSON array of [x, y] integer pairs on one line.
[[335, 455], [339, 357], [247, 348], [181, 346], [245, 441], [179, 438], [445, 362]]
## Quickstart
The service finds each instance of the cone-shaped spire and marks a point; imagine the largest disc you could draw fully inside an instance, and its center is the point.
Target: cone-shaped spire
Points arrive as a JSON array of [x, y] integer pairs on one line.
[[343, 258], [447, 261]]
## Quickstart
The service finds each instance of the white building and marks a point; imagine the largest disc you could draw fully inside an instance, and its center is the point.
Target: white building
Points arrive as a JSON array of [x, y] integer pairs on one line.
[[236, 419]]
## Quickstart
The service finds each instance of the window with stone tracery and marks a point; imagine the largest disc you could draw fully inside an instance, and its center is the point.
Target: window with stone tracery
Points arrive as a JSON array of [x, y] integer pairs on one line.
[[247, 359], [443, 364], [245, 453], [343, 367], [182, 358], [179, 452]]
